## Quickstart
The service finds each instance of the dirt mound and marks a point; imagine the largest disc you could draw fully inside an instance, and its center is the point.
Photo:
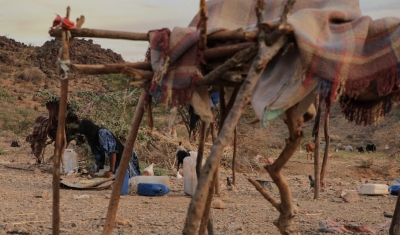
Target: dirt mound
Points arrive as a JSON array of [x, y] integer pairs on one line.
[[9, 44], [9, 48], [81, 52]]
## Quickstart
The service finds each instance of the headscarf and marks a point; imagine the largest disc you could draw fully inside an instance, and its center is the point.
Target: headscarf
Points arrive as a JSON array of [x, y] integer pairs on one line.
[[90, 130]]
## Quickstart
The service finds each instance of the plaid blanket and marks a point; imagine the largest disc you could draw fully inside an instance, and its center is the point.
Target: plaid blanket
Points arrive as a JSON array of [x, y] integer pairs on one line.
[[345, 52], [38, 137], [176, 64]]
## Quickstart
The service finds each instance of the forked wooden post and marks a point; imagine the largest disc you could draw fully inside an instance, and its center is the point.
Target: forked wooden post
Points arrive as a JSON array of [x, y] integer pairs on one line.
[[123, 166], [198, 202], [60, 141], [285, 221]]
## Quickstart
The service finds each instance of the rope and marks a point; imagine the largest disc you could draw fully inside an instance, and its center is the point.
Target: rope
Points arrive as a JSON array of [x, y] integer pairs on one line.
[[64, 65]]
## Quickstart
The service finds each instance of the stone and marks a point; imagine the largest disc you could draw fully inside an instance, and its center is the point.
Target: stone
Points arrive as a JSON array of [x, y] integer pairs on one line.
[[45, 194], [363, 180], [81, 196], [121, 221], [37, 171], [235, 227], [233, 188], [9, 227], [351, 196], [218, 204]]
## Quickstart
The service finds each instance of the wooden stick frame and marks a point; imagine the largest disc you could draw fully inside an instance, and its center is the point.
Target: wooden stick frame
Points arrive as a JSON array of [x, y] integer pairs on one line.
[[257, 47]]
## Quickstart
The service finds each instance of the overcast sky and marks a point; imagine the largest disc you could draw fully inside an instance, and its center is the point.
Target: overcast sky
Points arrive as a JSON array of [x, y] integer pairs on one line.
[[28, 21]]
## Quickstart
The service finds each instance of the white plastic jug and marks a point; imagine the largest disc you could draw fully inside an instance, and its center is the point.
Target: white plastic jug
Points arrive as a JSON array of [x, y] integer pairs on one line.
[[134, 181], [373, 189], [189, 173], [70, 160]]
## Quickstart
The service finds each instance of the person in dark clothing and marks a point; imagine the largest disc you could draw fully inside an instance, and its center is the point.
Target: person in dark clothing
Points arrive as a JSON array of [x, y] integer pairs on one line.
[[103, 142]]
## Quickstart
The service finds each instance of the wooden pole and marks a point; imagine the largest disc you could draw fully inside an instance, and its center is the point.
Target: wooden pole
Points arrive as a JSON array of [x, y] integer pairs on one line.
[[60, 141], [150, 122], [206, 219], [110, 68], [226, 51], [240, 53], [326, 152], [203, 25], [238, 34], [100, 33], [395, 224], [200, 149], [198, 202], [317, 184], [285, 222], [123, 166], [234, 157]]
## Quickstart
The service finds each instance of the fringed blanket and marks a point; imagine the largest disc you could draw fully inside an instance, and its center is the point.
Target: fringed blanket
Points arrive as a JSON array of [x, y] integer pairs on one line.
[[341, 50]]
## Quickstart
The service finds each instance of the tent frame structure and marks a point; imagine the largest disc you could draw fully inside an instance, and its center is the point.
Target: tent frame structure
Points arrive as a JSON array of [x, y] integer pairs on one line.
[[257, 47]]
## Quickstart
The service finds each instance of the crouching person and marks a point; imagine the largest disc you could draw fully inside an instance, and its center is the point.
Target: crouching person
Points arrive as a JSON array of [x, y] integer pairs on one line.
[[37, 139], [103, 142]]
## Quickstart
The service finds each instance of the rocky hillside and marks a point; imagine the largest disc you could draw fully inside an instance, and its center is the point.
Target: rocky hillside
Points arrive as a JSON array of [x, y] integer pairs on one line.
[[25, 69]]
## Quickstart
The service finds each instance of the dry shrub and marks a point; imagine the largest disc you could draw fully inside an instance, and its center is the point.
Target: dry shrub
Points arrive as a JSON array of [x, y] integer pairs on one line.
[[34, 75], [367, 163]]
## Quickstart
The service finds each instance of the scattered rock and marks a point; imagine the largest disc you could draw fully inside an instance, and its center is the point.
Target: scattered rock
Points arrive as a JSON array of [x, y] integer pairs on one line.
[[108, 196], [37, 171], [233, 188], [81, 196], [84, 171], [121, 221], [351, 196], [9, 226], [363, 180], [223, 195], [44, 194], [235, 227], [218, 204]]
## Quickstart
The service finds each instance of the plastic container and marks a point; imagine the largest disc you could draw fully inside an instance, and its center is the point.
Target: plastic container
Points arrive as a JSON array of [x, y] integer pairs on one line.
[[150, 189], [125, 185], [135, 181], [373, 189], [189, 173], [70, 160], [394, 189]]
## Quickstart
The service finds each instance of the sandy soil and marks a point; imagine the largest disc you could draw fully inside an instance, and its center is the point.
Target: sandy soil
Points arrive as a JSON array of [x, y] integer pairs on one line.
[[26, 209]]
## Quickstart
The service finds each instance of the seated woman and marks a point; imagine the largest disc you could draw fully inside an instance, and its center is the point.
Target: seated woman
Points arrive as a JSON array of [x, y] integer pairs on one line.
[[103, 141]]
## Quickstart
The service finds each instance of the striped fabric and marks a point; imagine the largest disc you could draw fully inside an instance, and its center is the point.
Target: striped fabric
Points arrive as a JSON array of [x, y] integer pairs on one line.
[[38, 137], [347, 53]]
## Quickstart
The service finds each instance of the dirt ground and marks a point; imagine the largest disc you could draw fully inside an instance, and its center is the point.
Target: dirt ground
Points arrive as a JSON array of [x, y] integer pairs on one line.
[[26, 196], [26, 209]]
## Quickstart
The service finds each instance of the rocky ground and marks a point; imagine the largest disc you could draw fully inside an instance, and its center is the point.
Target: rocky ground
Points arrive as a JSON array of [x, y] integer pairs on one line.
[[26, 194], [26, 201]]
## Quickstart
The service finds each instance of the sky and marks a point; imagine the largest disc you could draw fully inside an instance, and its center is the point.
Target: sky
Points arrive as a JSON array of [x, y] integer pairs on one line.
[[28, 21]]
